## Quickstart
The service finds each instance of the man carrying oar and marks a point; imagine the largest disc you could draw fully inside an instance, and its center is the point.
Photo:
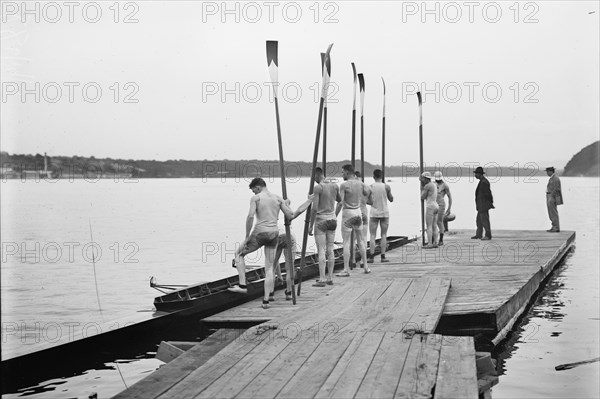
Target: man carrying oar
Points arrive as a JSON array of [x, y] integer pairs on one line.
[[265, 207], [351, 192], [324, 221]]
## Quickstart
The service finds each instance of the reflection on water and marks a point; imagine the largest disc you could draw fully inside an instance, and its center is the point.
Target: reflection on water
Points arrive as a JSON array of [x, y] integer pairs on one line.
[[547, 305]]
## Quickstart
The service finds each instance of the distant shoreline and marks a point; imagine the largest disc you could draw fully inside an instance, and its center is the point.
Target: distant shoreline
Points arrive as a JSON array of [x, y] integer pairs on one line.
[[61, 167]]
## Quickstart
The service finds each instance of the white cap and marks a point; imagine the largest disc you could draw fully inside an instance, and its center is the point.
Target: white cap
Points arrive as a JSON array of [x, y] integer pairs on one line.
[[438, 175], [426, 175]]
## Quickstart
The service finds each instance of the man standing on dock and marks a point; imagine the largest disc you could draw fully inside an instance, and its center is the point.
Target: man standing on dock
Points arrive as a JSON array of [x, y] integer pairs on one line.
[[484, 201], [324, 221], [265, 207], [553, 199], [442, 190], [381, 193], [429, 195], [365, 219], [351, 192]]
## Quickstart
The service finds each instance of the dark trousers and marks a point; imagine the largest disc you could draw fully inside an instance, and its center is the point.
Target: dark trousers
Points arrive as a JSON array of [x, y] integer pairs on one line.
[[483, 222]]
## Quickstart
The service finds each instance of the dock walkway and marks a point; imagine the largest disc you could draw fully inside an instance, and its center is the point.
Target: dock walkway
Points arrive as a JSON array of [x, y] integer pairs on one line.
[[384, 334]]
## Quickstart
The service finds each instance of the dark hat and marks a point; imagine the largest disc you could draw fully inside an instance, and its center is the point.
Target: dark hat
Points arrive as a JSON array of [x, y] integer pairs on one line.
[[550, 169], [479, 170]]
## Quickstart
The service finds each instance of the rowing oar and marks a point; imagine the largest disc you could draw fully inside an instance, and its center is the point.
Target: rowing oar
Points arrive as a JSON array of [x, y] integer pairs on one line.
[[273, 64], [421, 163], [383, 136], [353, 158], [353, 153], [324, 89], [324, 163], [567, 366], [361, 83]]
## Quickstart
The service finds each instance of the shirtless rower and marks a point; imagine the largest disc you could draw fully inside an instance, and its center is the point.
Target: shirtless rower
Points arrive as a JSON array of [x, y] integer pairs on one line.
[[351, 192], [381, 193], [324, 221], [429, 195], [265, 207]]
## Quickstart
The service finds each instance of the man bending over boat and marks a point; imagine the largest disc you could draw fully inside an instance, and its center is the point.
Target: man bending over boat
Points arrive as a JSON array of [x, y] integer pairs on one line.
[[265, 207], [352, 191]]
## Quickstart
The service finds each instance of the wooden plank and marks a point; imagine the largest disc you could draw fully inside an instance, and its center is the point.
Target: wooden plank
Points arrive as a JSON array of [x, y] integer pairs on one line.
[[235, 379], [457, 373], [280, 371], [310, 377], [346, 377], [401, 314], [203, 376], [382, 377], [167, 352], [367, 318], [169, 375], [420, 370]]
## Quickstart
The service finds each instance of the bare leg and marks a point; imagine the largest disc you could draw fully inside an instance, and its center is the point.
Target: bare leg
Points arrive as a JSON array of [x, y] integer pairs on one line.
[[435, 227], [385, 223], [276, 265], [321, 240], [361, 245], [347, 243], [240, 265], [373, 231], [365, 232], [330, 238], [269, 277], [429, 221]]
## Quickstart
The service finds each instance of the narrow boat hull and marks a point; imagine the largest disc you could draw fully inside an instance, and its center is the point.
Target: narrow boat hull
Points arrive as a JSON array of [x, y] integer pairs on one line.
[[213, 297]]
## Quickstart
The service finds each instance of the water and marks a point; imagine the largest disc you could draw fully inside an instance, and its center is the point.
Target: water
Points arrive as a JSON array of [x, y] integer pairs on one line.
[[184, 231]]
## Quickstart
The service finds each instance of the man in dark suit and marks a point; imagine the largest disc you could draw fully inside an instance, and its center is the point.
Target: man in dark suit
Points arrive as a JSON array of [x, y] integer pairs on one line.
[[553, 198], [483, 202]]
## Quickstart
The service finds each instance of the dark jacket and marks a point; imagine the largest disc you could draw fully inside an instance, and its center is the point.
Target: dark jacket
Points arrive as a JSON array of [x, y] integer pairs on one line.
[[483, 195], [553, 189]]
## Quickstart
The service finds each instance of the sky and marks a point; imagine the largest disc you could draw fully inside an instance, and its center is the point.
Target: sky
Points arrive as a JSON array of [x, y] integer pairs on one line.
[[503, 82]]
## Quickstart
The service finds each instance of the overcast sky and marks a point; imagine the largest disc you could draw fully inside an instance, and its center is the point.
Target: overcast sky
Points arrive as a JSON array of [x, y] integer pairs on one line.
[[503, 82]]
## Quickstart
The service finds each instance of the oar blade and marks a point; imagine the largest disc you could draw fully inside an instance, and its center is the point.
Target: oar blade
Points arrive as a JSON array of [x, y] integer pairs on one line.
[[273, 63]]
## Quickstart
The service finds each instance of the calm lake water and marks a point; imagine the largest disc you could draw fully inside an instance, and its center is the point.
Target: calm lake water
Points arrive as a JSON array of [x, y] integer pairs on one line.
[[184, 231]]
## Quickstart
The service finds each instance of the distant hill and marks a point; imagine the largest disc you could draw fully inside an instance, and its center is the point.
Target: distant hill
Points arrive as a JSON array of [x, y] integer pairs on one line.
[[585, 163]]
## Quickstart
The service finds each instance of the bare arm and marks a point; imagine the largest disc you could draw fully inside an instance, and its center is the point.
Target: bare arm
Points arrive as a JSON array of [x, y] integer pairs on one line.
[[424, 192], [251, 212], [338, 207], [449, 198], [370, 198], [388, 191], [303, 207], [287, 211]]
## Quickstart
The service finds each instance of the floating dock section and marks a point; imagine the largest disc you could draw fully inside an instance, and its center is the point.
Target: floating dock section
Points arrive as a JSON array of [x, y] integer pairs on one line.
[[408, 329]]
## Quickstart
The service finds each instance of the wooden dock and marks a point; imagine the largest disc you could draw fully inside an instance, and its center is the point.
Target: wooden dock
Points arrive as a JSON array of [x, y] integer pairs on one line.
[[404, 330]]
